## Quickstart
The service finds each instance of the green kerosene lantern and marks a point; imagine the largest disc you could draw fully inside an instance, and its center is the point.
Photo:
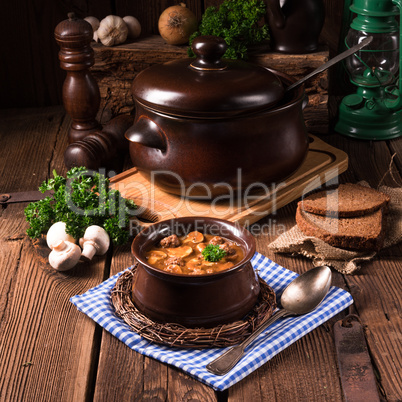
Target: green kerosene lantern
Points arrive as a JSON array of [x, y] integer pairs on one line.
[[374, 112]]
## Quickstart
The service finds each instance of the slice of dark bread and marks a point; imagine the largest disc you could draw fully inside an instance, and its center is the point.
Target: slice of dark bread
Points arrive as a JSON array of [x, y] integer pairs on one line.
[[347, 200], [363, 233]]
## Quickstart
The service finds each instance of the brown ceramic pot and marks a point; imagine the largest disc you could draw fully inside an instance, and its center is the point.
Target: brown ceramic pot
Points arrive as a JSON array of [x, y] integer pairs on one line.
[[195, 300], [208, 126]]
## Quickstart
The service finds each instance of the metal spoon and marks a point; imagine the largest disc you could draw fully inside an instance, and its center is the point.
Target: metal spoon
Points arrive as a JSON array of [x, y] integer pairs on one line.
[[301, 296], [331, 62]]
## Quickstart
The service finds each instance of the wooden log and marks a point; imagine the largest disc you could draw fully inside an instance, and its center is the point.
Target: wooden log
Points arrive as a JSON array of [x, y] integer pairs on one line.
[[116, 67]]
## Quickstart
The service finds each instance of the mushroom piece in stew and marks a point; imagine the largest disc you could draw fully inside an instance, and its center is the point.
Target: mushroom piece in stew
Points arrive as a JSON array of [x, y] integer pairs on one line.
[[194, 254]]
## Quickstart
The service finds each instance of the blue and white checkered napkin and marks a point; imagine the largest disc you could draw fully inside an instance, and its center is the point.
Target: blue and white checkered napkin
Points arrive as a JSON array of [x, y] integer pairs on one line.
[[97, 305]]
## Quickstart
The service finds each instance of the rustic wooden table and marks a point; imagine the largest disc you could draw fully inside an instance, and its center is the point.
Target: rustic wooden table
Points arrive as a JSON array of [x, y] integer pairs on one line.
[[50, 351]]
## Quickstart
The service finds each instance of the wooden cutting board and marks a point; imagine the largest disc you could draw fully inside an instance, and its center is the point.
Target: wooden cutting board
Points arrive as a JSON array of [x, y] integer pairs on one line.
[[322, 164]]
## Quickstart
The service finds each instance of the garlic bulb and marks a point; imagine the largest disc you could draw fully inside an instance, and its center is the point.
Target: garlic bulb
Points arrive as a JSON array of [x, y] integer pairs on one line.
[[95, 25], [133, 25], [112, 30]]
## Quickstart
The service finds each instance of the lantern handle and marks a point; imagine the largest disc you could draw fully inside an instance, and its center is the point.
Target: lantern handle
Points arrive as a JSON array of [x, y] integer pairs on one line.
[[398, 104]]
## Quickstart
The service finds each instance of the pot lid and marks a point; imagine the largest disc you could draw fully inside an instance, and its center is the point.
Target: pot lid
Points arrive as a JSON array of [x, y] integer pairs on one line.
[[208, 85]]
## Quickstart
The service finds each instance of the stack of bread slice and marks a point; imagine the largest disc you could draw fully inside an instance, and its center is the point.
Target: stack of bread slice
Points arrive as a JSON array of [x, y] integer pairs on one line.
[[350, 216]]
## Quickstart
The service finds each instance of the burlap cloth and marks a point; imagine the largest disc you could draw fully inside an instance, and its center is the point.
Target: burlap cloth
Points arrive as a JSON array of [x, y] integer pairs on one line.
[[347, 262]]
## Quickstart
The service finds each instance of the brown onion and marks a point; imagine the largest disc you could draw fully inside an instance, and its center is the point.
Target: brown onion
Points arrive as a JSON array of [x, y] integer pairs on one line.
[[176, 24]]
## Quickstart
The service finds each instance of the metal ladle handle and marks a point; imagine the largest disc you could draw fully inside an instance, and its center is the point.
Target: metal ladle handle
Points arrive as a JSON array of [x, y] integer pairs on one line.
[[331, 62], [226, 361]]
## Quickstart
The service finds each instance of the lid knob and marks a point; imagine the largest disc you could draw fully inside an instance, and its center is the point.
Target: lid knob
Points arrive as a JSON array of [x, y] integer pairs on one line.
[[209, 51]]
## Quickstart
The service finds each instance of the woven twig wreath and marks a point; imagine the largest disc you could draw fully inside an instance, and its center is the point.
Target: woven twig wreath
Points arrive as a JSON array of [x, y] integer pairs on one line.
[[178, 335]]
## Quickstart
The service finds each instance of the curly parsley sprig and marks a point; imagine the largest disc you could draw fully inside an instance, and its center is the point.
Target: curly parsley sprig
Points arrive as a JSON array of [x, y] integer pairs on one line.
[[80, 200], [213, 253], [236, 21]]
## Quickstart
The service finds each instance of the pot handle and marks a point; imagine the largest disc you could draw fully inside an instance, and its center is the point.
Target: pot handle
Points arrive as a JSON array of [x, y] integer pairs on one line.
[[279, 19], [148, 133]]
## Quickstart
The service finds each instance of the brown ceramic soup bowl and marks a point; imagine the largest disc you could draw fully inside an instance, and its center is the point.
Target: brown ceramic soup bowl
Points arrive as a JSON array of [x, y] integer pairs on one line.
[[195, 300]]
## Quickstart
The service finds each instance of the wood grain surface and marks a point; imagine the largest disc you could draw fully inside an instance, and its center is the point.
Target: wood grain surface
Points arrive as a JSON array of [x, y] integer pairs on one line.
[[49, 351]]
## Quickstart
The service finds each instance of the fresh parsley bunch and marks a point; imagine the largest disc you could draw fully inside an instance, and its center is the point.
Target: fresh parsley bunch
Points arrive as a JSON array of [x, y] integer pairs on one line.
[[236, 21], [80, 200], [213, 253]]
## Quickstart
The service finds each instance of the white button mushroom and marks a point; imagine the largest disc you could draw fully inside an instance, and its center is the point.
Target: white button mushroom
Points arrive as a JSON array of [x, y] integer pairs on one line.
[[56, 233], [65, 255], [95, 241]]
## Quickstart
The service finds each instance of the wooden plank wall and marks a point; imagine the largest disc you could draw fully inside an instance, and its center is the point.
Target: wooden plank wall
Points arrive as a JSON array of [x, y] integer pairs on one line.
[[29, 69]]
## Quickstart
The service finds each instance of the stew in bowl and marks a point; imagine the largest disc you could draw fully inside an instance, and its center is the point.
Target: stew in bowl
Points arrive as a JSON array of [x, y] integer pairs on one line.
[[195, 254], [194, 299]]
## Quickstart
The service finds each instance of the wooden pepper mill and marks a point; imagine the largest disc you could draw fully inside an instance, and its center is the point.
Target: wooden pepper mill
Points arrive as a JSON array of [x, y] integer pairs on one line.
[[81, 97], [105, 148], [90, 145]]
